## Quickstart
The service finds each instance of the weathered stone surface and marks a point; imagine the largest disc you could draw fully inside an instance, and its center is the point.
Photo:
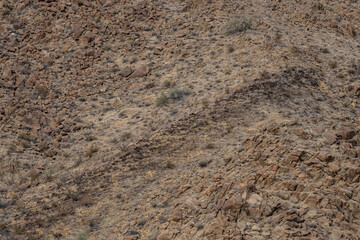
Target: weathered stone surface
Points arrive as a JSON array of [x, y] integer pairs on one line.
[[330, 138], [234, 203], [125, 72], [346, 133], [77, 31], [140, 72]]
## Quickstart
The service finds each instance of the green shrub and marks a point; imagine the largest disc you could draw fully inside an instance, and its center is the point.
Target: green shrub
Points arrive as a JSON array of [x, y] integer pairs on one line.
[[178, 93], [236, 26], [161, 100], [173, 94]]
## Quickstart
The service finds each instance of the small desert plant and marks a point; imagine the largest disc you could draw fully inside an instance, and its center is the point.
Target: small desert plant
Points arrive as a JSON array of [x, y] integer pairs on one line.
[[203, 164], [178, 93], [90, 138], [150, 85], [236, 26], [324, 50], [170, 165], [161, 100], [81, 236], [174, 94], [332, 65], [230, 49], [91, 151], [168, 84]]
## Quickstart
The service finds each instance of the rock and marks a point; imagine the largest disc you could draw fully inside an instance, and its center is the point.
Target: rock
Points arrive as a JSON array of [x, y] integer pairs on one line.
[[330, 138], [294, 156], [157, 51], [215, 228], [77, 31], [352, 173], [132, 235], [34, 174], [325, 157], [300, 133], [125, 72], [86, 38], [234, 203], [356, 90], [48, 60], [3, 187], [164, 235], [108, 3], [7, 72], [254, 200], [256, 228], [177, 215], [20, 237], [334, 168], [346, 133], [140, 72], [50, 153]]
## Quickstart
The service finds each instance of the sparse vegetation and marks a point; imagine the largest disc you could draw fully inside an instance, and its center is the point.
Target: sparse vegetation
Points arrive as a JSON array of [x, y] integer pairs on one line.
[[81, 236], [236, 26], [324, 50], [203, 164], [150, 85], [230, 49], [178, 93], [189, 119], [168, 84], [173, 94], [91, 151], [161, 100], [169, 164], [90, 138], [333, 65]]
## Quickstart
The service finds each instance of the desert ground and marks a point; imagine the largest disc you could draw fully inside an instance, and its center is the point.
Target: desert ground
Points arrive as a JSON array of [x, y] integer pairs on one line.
[[191, 119]]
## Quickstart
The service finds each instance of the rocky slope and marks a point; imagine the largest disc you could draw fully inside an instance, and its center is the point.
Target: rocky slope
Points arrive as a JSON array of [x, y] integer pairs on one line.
[[179, 119]]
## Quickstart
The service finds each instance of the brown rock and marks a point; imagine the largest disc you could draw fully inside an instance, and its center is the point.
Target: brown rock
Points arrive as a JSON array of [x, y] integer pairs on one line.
[[50, 153], [254, 200], [48, 60], [140, 72], [132, 235], [300, 133], [125, 72], [177, 215], [234, 203], [346, 133], [325, 157], [353, 173], [330, 138], [334, 168], [157, 51], [77, 31], [294, 156], [7, 73], [108, 3], [164, 235], [34, 174], [86, 38], [3, 187], [357, 90]]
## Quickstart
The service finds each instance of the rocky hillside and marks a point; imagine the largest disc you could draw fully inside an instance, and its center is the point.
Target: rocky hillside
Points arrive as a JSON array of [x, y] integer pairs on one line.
[[193, 119]]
